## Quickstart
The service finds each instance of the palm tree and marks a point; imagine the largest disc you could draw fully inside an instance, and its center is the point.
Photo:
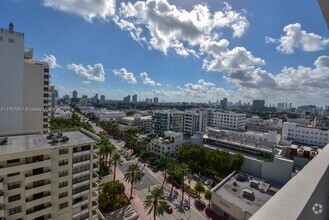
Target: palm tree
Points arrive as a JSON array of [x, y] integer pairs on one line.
[[133, 175], [165, 156], [184, 169], [173, 163], [116, 160], [111, 150], [155, 202], [207, 196]]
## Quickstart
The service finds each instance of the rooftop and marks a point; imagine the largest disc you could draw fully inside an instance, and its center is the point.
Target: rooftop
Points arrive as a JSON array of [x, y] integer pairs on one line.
[[234, 188], [25, 142]]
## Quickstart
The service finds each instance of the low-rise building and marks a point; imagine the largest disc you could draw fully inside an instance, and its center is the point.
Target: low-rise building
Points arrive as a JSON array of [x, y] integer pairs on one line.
[[49, 176], [227, 120], [137, 121], [195, 120], [239, 196], [65, 112], [305, 135], [167, 144], [257, 124]]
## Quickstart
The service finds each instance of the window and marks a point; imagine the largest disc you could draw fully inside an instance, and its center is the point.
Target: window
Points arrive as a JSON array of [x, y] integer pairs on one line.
[[63, 205], [46, 76], [14, 198], [46, 83], [13, 174], [63, 173], [63, 151], [45, 126], [45, 101], [15, 210], [63, 162], [46, 89], [45, 114], [46, 95], [62, 195], [46, 70], [11, 40], [12, 161], [45, 120], [62, 184], [14, 185]]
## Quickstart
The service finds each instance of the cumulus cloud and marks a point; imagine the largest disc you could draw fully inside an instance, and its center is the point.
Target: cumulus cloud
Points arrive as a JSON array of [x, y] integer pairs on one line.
[[148, 81], [51, 60], [88, 9], [296, 38], [125, 75], [292, 83], [164, 26], [89, 73]]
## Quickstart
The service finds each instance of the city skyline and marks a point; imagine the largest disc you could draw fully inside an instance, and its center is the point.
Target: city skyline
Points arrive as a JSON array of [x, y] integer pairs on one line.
[[185, 52]]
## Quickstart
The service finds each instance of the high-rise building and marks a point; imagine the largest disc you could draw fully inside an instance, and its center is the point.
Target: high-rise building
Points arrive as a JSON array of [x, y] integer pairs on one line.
[[195, 120], [168, 120], [49, 176], [127, 98], [103, 98], [258, 104], [24, 86], [75, 94], [223, 103], [134, 98], [53, 100], [156, 100]]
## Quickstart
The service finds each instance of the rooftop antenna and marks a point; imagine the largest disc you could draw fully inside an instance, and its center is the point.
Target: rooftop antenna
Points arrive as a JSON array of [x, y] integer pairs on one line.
[[11, 27]]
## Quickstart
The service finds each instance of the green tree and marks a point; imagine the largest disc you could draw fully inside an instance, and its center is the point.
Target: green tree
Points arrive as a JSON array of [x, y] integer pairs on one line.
[[199, 188], [116, 160], [207, 196], [172, 161], [236, 162], [110, 193], [132, 176], [183, 168], [155, 202]]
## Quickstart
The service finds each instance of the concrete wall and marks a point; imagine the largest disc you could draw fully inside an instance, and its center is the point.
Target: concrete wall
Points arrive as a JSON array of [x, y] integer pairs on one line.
[[252, 167]]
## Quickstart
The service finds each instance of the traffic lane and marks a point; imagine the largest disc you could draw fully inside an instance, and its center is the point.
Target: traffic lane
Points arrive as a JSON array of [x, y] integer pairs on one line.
[[147, 181]]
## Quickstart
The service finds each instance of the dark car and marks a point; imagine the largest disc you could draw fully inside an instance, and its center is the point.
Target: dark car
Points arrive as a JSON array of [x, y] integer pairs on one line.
[[169, 209]]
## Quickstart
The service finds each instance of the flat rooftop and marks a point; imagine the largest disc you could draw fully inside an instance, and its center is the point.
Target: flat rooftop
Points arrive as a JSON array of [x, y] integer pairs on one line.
[[20, 143], [233, 193]]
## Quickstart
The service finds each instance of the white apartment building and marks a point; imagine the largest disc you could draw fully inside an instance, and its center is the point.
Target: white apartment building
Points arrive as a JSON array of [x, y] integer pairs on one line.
[[63, 112], [227, 120], [168, 120], [168, 144], [195, 120], [24, 86], [49, 177], [137, 121], [305, 135]]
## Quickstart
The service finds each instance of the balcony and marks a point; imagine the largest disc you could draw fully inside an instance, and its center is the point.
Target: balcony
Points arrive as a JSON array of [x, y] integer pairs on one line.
[[79, 184], [33, 190], [80, 163], [30, 214], [96, 150], [78, 194], [94, 215], [24, 167], [80, 213], [95, 196], [96, 168], [31, 203], [96, 160], [1, 197], [95, 177], [81, 173], [77, 154], [81, 203], [1, 184], [30, 178]]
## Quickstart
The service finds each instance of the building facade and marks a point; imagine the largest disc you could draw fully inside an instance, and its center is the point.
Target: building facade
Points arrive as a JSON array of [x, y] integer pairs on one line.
[[24, 88], [167, 120], [227, 120], [195, 121], [49, 176], [305, 135], [257, 124]]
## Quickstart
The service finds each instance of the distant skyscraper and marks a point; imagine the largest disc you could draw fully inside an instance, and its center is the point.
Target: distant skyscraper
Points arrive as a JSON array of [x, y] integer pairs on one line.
[[147, 100], [96, 96], [74, 94], [223, 103], [127, 98], [24, 86], [103, 98], [84, 97], [134, 98], [156, 100], [258, 104]]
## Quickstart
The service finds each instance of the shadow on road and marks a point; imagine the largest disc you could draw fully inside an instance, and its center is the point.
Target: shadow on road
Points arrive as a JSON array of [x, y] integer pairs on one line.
[[212, 215], [200, 205]]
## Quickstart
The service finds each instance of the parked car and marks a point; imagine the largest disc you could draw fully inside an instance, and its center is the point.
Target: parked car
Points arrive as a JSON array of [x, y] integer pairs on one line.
[[207, 182], [169, 209]]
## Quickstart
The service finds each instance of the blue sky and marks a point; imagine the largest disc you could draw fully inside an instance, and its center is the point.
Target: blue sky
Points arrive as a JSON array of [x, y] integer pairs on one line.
[[184, 50]]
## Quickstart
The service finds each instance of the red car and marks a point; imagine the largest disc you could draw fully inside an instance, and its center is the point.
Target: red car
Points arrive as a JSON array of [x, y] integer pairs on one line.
[[169, 209]]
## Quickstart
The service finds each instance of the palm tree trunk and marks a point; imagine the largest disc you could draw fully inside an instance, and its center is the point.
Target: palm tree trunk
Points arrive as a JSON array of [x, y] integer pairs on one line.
[[154, 214], [131, 190], [114, 172], [183, 188]]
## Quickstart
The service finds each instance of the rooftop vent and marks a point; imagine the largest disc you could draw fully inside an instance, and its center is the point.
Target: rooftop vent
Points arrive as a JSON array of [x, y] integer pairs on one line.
[[54, 139], [254, 183], [248, 194], [3, 140], [65, 139], [313, 153], [50, 135]]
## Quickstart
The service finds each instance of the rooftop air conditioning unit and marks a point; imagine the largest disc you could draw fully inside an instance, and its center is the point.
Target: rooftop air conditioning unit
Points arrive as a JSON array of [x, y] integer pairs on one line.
[[65, 139], [300, 152], [313, 153], [3, 140]]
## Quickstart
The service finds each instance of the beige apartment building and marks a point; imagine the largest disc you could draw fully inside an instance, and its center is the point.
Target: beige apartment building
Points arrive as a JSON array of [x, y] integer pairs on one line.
[[49, 176]]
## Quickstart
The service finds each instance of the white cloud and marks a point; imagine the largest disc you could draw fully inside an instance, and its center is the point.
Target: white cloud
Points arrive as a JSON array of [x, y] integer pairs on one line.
[[148, 81], [51, 60], [296, 38], [89, 73], [163, 26], [125, 75], [88, 9]]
